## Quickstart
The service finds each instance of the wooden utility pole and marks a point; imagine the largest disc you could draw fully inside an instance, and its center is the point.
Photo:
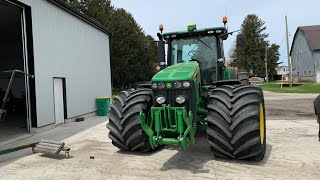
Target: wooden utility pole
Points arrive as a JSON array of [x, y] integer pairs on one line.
[[266, 63], [288, 54]]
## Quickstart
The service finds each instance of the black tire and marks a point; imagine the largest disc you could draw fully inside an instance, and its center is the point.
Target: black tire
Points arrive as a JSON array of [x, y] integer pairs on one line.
[[234, 126], [243, 77], [240, 75], [124, 124]]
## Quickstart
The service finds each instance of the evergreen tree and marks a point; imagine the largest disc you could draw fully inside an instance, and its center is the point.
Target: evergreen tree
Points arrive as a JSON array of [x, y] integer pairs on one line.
[[128, 61], [273, 58], [251, 56], [153, 54]]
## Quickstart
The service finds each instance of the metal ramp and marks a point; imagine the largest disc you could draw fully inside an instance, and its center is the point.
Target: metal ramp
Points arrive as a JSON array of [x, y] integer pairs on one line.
[[51, 147]]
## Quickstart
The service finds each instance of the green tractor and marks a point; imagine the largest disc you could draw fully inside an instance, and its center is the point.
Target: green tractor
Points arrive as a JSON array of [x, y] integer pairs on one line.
[[193, 91]]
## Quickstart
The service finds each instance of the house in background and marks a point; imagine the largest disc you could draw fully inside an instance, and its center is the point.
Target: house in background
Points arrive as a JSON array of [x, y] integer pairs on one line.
[[282, 71], [305, 54]]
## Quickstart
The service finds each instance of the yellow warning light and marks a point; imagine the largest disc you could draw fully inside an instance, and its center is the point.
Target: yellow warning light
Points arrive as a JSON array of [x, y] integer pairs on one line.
[[225, 19]]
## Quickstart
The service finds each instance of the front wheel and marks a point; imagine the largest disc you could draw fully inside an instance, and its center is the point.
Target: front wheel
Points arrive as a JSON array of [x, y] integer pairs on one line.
[[124, 125], [236, 122]]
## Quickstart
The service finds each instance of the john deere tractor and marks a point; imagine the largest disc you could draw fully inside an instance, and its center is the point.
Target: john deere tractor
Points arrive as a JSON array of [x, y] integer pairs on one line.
[[193, 91]]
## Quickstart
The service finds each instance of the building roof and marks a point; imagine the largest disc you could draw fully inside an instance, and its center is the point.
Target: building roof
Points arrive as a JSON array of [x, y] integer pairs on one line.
[[312, 34], [81, 16]]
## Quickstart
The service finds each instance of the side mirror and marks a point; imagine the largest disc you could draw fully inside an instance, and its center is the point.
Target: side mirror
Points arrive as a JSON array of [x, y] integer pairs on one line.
[[241, 39], [161, 51], [221, 63], [221, 60]]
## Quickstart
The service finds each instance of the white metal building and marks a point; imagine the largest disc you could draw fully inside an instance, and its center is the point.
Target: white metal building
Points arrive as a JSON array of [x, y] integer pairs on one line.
[[66, 51]]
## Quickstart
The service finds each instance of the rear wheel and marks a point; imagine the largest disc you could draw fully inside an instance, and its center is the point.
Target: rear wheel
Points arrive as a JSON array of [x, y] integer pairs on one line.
[[236, 122], [240, 75], [243, 77], [124, 124]]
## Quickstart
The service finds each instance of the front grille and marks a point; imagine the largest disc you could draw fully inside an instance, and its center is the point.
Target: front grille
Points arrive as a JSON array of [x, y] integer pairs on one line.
[[171, 94]]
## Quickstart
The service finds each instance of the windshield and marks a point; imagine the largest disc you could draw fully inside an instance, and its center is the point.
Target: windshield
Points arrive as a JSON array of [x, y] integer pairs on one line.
[[201, 49]]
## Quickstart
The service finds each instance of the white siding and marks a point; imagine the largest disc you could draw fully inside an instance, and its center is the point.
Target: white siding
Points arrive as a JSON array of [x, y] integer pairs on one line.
[[65, 46]]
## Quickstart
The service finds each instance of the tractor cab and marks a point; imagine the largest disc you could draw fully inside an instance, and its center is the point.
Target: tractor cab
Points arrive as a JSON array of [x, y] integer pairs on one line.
[[203, 46]]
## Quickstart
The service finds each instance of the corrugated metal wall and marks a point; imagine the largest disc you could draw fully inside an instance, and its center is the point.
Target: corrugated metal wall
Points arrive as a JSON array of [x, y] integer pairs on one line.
[[65, 46], [302, 57], [317, 59]]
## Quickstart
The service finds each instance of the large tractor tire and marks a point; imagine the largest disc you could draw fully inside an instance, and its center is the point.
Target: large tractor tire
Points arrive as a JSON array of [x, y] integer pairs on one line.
[[240, 75], [124, 124], [236, 122], [243, 76]]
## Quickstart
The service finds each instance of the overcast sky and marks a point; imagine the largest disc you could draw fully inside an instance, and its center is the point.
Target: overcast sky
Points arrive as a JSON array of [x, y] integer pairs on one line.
[[176, 14]]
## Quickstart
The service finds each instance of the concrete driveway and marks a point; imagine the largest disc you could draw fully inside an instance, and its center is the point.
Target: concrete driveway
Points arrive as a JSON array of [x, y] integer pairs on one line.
[[293, 152]]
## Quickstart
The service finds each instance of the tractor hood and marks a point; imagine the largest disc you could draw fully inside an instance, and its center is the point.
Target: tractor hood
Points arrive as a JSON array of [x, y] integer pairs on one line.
[[176, 72]]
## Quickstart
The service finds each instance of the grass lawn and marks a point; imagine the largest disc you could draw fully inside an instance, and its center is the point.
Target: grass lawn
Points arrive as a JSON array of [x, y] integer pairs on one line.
[[304, 88]]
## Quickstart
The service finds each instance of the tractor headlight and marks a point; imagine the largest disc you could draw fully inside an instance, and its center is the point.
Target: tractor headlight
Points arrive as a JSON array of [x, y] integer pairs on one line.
[[154, 85], [177, 84], [160, 100], [180, 99], [186, 84], [161, 85]]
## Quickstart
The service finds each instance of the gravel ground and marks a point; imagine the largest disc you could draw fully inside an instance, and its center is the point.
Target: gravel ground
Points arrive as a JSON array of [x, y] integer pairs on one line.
[[293, 152], [289, 106]]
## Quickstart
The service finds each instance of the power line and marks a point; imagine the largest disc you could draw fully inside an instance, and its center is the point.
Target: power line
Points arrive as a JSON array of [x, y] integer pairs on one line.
[[284, 36]]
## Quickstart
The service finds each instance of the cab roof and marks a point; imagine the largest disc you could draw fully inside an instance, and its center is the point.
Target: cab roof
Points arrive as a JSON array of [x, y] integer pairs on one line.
[[197, 32]]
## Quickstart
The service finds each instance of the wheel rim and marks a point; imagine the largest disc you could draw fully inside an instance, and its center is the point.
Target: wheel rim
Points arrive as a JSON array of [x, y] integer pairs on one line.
[[261, 124]]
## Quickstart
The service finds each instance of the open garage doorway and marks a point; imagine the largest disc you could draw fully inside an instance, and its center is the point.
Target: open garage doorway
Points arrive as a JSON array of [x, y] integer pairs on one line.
[[16, 121]]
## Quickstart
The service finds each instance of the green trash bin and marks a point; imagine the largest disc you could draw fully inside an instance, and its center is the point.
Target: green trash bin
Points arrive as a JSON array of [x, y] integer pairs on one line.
[[103, 105]]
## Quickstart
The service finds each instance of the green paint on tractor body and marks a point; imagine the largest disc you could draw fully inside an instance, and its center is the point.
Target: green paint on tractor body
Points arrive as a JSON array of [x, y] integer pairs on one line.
[[176, 72], [173, 123]]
